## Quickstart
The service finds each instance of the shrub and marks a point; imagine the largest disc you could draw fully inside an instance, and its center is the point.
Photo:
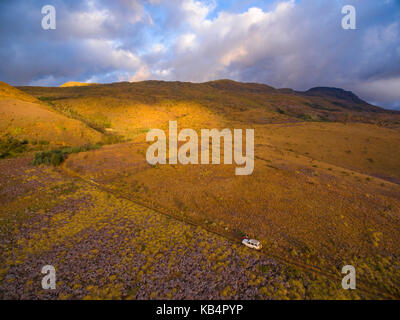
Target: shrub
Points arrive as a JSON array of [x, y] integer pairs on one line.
[[263, 268], [112, 139], [101, 120], [11, 147], [58, 156], [44, 142], [46, 98], [305, 117], [53, 157]]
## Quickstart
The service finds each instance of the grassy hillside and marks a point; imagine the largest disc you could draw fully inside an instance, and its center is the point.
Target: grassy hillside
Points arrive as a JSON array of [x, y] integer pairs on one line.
[[112, 104], [23, 117], [10, 92], [327, 124], [366, 148], [325, 191], [309, 210], [107, 247]]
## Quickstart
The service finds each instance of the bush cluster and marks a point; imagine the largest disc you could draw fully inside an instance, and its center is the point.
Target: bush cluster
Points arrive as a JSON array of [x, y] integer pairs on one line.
[[52, 157], [58, 156], [11, 147]]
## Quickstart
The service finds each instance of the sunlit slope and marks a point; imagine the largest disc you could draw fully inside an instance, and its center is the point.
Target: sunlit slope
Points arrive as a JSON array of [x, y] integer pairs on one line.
[[131, 108], [24, 117], [327, 124], [9, 92], [76, 84], [130, 118], [126, 111], [364, 148], [325, 185]]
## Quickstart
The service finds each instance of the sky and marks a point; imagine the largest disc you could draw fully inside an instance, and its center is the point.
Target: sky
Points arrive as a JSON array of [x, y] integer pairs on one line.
[[296, 44]]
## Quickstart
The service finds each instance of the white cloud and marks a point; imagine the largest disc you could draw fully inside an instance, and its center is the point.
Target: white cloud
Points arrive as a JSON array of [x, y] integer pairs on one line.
[[103, 19], [107, 54], [387, 89], [142, 74], [158, 48], [186, 42], [87, 23], [196, 12], [233, 55]]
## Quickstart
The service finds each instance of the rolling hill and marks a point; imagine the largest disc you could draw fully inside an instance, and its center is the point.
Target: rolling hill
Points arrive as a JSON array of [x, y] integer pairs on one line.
[[325, 191], [24, 117]]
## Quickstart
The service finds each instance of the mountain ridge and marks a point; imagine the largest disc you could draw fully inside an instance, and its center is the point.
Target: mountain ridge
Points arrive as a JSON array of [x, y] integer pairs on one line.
[[236, 101], [253, 87]]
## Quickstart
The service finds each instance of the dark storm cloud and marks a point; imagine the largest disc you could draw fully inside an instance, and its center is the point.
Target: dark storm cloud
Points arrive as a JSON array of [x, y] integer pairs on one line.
[[89, 40]]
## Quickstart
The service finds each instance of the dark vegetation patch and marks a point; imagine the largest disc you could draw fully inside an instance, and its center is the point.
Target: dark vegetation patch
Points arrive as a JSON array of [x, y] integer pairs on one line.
[[304, 116], [279, 110], [11, 147], [58, 156], [321, 107], [312, 118]]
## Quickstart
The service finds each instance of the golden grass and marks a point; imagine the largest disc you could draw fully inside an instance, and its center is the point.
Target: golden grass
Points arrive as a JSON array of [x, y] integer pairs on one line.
[[22, 116], [364, 148], [322, 193], [76, 84], [318, 212], [9, 92], [104, 247], [32, 121]]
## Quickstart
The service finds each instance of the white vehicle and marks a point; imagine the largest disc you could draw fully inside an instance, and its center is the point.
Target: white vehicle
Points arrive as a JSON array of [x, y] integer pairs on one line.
[[251, 243]]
